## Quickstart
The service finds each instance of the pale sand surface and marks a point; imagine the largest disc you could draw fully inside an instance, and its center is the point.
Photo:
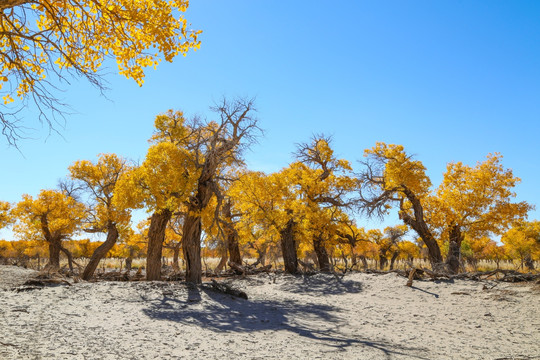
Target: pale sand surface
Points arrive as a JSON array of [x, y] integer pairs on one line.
[[362, 316]]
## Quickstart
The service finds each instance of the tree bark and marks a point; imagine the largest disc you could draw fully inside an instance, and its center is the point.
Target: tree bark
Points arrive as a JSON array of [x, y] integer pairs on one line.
[[191, 245], [419, 225], [129, 261], [176, 255], [454, 249], [528, 261], [54, 254], [382, 261], [101, 251], [322, 255], [156, 236], [364, 262], [222, 261], [55, 244], [288, 248], [69, 257], [232, 235], [393, 260]]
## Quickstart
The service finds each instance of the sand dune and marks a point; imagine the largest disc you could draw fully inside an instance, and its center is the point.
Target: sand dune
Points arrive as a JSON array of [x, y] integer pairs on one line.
[[359, 316]]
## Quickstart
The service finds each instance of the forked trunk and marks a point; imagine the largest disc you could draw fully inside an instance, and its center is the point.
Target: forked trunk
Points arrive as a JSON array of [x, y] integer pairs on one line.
[[69, 257], [322, 255], [156, 236], [288, 248], [454, 249], [222, 262], [101, 251], [529, 263]]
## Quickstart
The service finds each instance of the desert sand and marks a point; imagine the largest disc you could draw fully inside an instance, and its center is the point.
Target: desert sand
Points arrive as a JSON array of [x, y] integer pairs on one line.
[[321, 316]]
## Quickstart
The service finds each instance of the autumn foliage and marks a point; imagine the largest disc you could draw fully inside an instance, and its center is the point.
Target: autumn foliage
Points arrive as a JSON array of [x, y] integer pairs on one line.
[[203, 201]]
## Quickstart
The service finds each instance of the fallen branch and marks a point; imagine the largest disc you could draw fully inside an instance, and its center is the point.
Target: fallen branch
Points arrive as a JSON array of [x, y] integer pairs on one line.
[[226, 289]]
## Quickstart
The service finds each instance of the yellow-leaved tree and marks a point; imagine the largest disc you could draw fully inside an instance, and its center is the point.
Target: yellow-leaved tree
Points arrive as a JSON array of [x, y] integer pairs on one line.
[[392, 177], [52, 216], [212, 148], [5, 216], [324, 184], [99, 181], [269, 203], [161, 184], [476, 201], [41, 40], [523, 242]]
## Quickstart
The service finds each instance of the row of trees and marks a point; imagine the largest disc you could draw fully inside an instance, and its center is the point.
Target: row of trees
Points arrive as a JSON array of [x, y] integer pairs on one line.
[[193, 183], [382, 249]]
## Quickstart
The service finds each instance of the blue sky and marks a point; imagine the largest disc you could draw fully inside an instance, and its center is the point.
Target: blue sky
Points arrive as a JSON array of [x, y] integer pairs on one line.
[[450, 80]]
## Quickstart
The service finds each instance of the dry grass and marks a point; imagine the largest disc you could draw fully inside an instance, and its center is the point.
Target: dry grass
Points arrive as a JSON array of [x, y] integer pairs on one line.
[[211, 263]]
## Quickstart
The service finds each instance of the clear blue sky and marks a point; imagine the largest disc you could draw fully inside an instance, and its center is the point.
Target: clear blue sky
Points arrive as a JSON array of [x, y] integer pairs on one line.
[[450, 80]]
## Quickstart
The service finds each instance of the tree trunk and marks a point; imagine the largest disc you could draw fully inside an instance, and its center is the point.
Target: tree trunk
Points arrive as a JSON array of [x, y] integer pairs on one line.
[[382, 261], [529, 263], [322, 255], [353, 259], [176, 255], [393, 260], [261, 257], [232, 235], [454, 249], [191, 245], [222, 262], [364, 262], [129, 261], [419, 225], [55, 244], [156, 236], [101, 251], [54, 254], [69, 257], [288, 248]]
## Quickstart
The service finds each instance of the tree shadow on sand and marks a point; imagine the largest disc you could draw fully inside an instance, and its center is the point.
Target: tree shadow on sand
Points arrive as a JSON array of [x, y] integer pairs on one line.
[[222, 313], [320, 284]]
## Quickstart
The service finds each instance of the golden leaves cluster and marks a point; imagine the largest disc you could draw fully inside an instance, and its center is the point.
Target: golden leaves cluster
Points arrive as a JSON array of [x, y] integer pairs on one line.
[[61, 213], [476, 198], [79, 36]]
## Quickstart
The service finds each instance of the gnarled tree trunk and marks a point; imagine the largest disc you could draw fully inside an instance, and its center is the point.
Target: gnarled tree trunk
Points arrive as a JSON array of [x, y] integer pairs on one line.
[[382, 261], [454, 249], [288, 248], [393, 259], [232, 235], [419, 225], [101, 251], [191, 245], [156, 236], [54, 253], [322, 255], [176, 255]]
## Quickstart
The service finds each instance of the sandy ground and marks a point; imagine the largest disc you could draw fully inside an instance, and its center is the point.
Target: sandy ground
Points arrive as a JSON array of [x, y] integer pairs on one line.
[[361, 316]]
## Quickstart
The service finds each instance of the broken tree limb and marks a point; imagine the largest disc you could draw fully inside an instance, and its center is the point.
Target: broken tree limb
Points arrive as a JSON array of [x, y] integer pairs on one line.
[[226, 289], [411, 277], [239, 269]]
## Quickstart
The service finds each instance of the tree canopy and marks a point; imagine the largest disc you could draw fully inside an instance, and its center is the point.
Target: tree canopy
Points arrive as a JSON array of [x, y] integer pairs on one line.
[[43, 41]]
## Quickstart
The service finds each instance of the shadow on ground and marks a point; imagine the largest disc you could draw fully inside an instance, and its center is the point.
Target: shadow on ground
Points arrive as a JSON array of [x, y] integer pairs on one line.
[[222, 313], [320, 284]]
